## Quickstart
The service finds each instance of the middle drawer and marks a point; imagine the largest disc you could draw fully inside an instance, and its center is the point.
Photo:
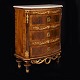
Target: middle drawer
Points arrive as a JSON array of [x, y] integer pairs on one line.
[[44, 34]]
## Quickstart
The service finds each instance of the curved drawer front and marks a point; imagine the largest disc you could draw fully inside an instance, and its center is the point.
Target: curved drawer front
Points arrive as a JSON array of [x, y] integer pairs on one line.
[[37, 36], [44, 50], [44, 31]]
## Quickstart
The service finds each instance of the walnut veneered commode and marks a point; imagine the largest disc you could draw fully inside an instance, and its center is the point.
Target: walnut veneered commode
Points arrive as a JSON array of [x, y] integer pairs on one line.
[[37, 33]]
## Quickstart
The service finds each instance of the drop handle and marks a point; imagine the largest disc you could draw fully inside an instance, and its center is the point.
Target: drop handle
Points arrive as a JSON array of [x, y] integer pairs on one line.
[[48, 34]]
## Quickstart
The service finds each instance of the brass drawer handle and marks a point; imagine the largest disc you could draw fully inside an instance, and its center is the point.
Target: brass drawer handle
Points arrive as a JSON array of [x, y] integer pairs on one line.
[[48, 34], [48, 18]]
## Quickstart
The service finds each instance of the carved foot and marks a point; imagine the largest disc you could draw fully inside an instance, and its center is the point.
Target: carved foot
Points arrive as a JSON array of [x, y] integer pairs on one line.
[[27, 64], [27, 69], [19, 63], [58, 59]]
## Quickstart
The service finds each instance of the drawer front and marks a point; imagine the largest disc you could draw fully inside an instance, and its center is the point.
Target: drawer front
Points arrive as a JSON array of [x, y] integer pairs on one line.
[[44, 35], [44, 50], [44, 32], [42, 22]]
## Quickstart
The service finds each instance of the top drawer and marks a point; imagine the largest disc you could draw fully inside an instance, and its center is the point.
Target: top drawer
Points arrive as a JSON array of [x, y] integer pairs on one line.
[[42, 19], [42, 22]]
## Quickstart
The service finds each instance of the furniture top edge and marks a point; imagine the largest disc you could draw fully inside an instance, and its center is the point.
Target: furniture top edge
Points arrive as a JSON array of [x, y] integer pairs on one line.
[[38, 6]]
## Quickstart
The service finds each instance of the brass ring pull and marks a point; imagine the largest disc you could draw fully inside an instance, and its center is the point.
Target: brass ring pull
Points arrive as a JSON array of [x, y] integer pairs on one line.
[[48, 34]]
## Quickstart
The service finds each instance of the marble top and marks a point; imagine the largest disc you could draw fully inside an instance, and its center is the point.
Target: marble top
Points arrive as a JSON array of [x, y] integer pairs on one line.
[[38, 6]]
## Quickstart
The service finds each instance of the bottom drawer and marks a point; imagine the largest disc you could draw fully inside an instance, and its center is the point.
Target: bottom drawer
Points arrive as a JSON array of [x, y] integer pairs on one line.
[[44, 50]]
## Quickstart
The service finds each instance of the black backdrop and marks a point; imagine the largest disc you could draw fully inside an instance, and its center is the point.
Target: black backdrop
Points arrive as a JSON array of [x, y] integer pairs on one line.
[[68, 67]]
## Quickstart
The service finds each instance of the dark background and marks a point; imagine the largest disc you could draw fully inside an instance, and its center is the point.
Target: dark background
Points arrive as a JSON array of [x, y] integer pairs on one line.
[[67, 69]]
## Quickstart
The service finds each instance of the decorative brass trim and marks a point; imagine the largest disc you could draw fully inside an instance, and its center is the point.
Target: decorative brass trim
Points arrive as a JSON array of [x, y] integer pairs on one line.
[[39, 61], [46, 27], [47, 62], [36, 12], [45, 12], [27, 16], [26, 54], [45, 42], [28, 59]]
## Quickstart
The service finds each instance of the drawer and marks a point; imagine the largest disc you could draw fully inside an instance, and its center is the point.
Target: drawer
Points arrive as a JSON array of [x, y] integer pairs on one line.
[[44, 50], [44, 34], [37, 22]]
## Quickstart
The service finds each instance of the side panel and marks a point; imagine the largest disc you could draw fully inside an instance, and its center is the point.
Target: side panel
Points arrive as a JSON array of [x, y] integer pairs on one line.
[[20, 31]]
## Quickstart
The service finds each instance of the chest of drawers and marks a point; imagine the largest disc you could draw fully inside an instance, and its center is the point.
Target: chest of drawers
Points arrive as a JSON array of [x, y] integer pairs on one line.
[[37, 34]]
